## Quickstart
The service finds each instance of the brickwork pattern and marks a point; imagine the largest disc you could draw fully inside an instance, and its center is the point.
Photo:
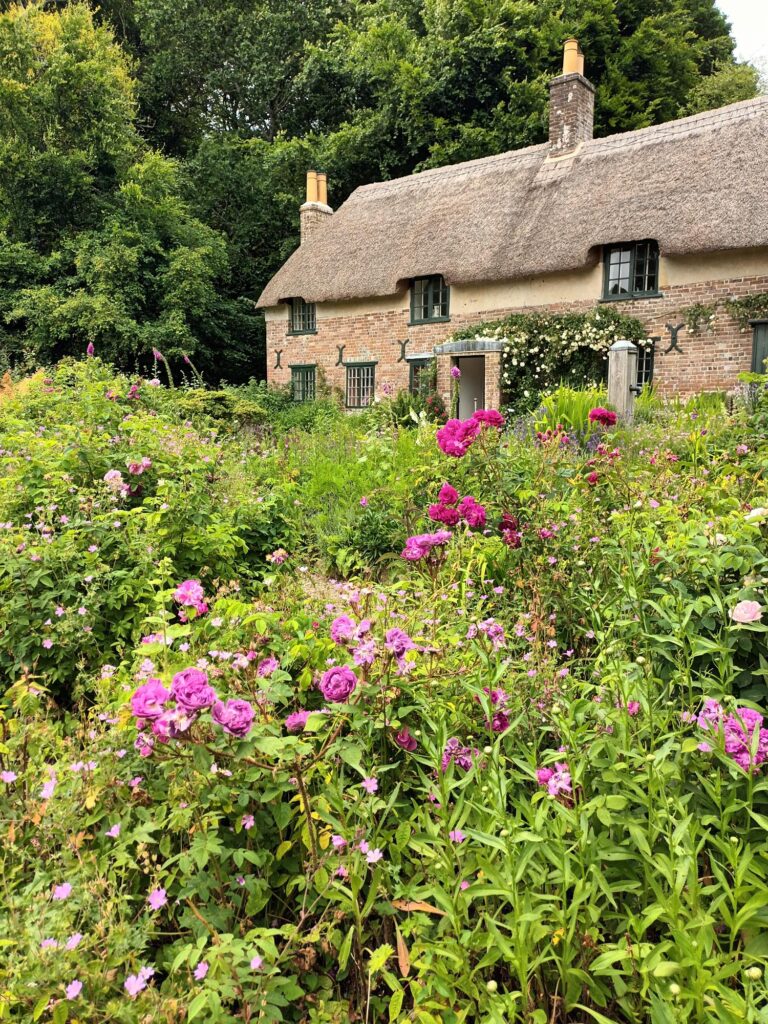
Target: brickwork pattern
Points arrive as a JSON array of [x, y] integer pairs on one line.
[[571, 113], [708, 360]]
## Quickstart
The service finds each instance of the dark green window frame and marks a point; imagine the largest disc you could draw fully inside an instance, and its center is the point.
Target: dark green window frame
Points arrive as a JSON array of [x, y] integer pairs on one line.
[[302, 317], [304, 382], [631, 271], [430, 300], [360, 385], [419, 376]]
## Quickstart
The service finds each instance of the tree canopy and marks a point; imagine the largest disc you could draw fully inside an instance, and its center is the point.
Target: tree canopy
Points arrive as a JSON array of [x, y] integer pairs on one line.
[[152, 152]]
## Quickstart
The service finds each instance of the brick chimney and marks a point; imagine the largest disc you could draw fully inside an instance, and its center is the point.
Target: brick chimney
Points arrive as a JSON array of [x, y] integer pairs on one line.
[[571, 104], [315, 210]]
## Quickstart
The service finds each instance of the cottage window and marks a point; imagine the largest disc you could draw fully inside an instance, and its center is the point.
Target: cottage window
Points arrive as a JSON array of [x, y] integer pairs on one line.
[[645, 353], [420, 382], [631, 270], [303, 383], [303, 317], [429, 300], [361, 379]]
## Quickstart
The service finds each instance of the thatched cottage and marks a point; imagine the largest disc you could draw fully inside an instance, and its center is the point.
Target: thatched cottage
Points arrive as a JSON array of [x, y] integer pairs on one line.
[[659, 220]]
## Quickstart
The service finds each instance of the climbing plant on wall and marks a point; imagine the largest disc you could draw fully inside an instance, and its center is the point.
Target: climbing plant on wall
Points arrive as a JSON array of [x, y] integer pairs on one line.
[[541, 350]]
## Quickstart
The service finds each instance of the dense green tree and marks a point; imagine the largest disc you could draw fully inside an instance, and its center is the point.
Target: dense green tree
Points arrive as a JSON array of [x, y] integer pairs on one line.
[[97, 242]]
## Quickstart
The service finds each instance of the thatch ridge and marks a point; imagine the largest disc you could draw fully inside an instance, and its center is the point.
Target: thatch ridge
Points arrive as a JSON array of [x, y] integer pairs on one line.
[[699, 184]]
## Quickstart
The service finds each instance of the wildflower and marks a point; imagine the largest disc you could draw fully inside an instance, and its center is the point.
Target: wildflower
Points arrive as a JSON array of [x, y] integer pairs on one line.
[[234, 716], [421, 545], [338, 683], [374, 856], [48, 787], [747, 611], [8, 777], [592, 478], [277, 557], [363, 502], [267, 666], [136, 983], [200, 971], [90, 350], [248, 821], [157, 899], [339, 842], [73, 989], [256, 963], [73, 941], [398, 642], [456, 836], [458, 754], [557, 779], [114, 832], [63, 891], [49, 944], [296, 721]]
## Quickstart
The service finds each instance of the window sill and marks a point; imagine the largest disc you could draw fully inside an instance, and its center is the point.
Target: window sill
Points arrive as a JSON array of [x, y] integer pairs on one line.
[[632, 298], [432, 320], [294, 334]]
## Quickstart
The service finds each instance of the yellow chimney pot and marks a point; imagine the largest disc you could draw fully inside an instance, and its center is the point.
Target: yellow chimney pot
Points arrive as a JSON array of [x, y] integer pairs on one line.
[[573, 58], [322, 188], [311, 186]]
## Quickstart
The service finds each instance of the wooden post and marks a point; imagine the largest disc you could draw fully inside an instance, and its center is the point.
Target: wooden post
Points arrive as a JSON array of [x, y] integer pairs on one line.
[[622, 378]]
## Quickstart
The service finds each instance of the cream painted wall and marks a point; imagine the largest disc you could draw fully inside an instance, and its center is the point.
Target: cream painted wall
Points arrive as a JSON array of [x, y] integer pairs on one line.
[[549, 289]]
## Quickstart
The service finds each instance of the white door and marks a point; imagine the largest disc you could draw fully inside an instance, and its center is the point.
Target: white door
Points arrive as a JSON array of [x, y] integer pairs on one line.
[[471, 385]]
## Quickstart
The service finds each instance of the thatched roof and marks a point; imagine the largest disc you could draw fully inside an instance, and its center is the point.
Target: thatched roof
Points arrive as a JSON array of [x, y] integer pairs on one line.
[[699, 184]]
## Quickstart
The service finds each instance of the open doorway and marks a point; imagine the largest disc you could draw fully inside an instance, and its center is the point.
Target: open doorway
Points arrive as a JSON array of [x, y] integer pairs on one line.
[[471, 385]]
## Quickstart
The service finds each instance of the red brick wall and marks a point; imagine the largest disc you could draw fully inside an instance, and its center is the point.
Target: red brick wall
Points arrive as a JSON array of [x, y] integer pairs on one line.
[[710, 361]]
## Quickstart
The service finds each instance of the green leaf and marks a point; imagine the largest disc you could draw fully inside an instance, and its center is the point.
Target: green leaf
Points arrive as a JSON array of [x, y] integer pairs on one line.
[[666, 969], [395, 1005], [197, 1004], [379, 957], [346, 948]]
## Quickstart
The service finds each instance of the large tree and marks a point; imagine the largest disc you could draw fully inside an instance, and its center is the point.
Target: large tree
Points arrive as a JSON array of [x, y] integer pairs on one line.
[[97, 243]]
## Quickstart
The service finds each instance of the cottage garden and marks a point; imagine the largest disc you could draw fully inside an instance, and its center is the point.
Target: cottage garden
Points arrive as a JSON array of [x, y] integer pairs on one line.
[[321, 719]]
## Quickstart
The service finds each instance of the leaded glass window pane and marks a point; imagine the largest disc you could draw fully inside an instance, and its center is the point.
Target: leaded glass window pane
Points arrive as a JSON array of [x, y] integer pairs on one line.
[[632, 270], [303, 383], [430, 299], [360, 385], [303, 316]]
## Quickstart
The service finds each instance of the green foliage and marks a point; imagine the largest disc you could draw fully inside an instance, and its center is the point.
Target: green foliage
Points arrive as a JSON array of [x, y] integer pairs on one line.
[[749, 307], [699, 315], [631, 891], [570, 408]]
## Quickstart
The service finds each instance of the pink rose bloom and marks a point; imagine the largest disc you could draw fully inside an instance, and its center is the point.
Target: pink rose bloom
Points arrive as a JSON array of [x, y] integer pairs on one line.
[[189, 593], [234, 716], [296, 721], [489, 417], [148, 700], [338, 683], [421, 544], [443, 514], [192, 691], [747, 611], [267, 666], [604, 416], [342, 629]]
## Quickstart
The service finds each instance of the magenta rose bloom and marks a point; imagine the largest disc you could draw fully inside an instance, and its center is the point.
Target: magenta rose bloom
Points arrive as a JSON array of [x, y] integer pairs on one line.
[[148, 700], [405, 740], [456, 436], [338, 684], [490, 417], [192, 691], [448, 495], [296, 721], [444, 514], [472, 512], [342, 629], [604, 416], [234, 716]]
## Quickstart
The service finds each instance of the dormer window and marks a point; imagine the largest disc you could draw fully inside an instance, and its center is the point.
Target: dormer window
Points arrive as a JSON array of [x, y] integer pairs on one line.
[[631, 270], [430, 297], [303, 317]]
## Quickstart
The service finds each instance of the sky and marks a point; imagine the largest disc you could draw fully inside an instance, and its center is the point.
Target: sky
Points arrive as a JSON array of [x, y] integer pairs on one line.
[[749, 25]]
